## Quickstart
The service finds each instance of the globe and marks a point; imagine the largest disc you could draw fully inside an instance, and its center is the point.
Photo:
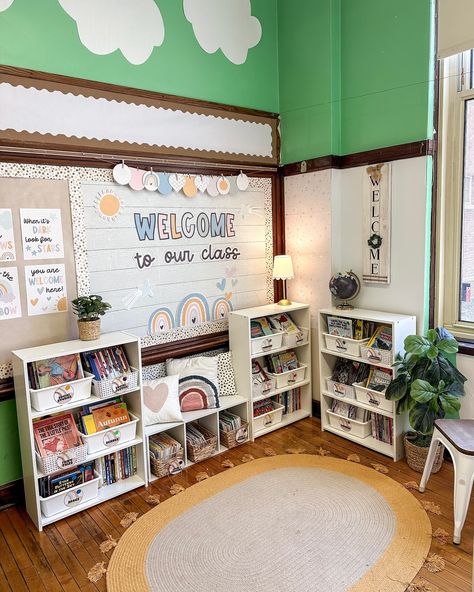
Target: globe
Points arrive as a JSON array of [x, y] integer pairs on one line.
[[344, 286]]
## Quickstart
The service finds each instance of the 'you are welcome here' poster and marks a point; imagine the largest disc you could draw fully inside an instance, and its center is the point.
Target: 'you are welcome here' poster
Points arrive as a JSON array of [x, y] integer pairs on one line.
[[169, 262]]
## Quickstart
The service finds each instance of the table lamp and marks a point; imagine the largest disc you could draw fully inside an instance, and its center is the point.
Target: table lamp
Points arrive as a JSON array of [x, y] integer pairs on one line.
[[283, 270]]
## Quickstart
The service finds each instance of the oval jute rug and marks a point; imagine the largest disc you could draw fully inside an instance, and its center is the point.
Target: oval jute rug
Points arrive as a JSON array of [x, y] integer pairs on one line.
[[291, 523]]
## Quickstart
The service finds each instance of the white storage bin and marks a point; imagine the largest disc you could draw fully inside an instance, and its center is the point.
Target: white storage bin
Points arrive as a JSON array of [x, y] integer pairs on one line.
[[373, 398], [355, 428], [344, 391], [109, 387], [61, 460], [290, 377], [266, 343], [296, 337], [261, 389], [71, 498], [267, 419], [58, 395], [376, 356], [111, 437], [344, 345]]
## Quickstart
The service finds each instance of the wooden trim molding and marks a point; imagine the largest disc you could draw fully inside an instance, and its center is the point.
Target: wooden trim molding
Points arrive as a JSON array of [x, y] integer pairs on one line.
[[11, 494], [387, 154], [184, 347]]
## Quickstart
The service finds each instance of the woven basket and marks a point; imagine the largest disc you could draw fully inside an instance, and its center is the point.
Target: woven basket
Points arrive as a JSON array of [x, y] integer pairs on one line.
[[207, 449], [416, 455], [169, 466], [89, 330], [235, 437]]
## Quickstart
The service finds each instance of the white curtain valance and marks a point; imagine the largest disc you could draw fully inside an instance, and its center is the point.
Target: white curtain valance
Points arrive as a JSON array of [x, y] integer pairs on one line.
[[455, 26]]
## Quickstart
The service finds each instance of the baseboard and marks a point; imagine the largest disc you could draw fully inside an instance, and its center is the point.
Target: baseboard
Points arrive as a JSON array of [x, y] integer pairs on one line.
[[316, 409], [11, 494]]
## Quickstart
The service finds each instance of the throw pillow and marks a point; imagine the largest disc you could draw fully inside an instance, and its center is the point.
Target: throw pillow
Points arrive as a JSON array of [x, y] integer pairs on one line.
[[161, 400], [198, 386], [225, 374]]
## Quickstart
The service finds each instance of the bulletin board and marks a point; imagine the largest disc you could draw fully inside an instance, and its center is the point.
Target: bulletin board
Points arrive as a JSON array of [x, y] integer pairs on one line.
[[215, 259]]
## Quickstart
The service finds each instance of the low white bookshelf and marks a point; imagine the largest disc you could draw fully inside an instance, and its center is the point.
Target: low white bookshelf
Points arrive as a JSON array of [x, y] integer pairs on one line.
[[26, 414], [401, 326], [243, 354]]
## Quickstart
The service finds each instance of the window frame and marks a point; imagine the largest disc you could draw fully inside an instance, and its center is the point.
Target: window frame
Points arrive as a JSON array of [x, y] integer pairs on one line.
[[453, 99]]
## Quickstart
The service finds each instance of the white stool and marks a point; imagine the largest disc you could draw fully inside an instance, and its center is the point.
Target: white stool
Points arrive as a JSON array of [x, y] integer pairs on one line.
[[457, 435]]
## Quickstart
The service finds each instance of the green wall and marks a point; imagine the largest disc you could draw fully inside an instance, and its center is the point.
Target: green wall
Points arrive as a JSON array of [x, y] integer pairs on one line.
[[38, 34], [354, 75], [10, 459]]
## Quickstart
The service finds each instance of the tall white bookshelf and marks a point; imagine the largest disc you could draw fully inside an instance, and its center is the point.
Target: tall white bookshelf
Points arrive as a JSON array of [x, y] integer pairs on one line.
[[243, 356], [402, 326], [26, 414]]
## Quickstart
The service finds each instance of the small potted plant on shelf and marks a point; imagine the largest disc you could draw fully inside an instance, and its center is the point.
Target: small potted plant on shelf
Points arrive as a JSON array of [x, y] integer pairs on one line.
[[429, 387], [89, 309]]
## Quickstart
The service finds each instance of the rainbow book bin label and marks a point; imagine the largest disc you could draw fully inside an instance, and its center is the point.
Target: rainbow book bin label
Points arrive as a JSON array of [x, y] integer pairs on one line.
[[42, 233], [10, 307], [46, 289]]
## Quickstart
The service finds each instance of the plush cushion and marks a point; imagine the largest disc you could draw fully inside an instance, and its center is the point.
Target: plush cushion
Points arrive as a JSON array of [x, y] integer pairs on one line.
[[198, 386], [225, 375], [161, 400]]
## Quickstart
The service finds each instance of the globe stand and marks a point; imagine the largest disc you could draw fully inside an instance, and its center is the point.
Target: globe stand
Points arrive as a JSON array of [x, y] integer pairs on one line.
[[344, 306]]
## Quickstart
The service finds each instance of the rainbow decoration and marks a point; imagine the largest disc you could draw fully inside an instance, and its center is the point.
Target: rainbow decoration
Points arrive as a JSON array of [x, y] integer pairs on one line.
[[193, 310], [161, 320], [221, 309]]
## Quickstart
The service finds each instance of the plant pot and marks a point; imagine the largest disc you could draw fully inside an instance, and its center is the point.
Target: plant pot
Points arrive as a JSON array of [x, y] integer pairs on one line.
[[89, 330], [416, 455]]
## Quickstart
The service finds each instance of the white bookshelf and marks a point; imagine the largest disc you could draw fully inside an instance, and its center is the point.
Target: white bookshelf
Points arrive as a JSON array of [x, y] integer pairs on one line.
[[402, 326], [26, 413], [242, 356], [209, 418]]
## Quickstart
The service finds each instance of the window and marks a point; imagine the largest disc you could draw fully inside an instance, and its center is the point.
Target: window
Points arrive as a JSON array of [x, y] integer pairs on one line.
[[456, 181]]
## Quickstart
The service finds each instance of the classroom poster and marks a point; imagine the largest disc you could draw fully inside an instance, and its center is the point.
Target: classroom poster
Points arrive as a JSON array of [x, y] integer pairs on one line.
[[7, 239], [42, 233], [10, 307], [46, 289]]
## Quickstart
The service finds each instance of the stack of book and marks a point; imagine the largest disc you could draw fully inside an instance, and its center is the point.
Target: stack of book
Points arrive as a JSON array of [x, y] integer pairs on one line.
[[350, 411], [53, 371], [195, 436], [56, 434], [163, 446], [60, 482], [283, 322], [117, 466], [228, 422], [378, 379], [102, 416], [382, 428], [291, 400], [261, 407], [283, 362], [106, 363], [350, 328], [348, 371], [382, 338]]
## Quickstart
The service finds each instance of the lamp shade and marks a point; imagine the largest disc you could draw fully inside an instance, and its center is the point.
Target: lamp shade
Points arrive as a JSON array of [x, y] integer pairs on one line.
[[283, 268]]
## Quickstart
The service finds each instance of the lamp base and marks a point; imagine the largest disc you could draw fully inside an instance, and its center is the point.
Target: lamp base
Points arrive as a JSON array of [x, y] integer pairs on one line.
[[284, 302]]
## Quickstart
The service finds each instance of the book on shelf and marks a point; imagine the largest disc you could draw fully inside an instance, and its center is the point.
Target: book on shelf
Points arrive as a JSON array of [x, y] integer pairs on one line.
[[358, 329], [103, 415], [162, 446], [54, 371], [262, 407], [348, 371], [340, 327], [117, 466], [378, 379], [349, 411], [291, 400], [229, 422], [283, 322], [382, 338], [260, 327], [382, 428], [56, 434], [59, 482], [106, 363], [283, 362]]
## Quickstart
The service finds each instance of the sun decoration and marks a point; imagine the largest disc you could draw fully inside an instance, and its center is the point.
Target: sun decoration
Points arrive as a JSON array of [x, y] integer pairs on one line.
[[375, 241], [61, 304], [108, 205]]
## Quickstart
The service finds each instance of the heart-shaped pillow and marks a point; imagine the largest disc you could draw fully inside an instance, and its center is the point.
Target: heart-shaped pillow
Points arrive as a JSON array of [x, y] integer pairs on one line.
[[161, 400]]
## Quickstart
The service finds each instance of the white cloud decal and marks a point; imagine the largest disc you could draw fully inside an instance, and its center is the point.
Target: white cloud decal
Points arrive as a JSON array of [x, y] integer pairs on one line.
[[224, 24], [134, 27], [4, 4]]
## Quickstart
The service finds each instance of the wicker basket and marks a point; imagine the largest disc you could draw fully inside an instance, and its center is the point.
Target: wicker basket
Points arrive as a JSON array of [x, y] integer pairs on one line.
[[235, 437], [109, 387], [89, 330], [416, 455], [198, 453], [62, 460], [168, 466]]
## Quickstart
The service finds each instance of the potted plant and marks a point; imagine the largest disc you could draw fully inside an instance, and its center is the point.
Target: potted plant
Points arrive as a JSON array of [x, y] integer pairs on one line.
[[89, 309], [429, 387]]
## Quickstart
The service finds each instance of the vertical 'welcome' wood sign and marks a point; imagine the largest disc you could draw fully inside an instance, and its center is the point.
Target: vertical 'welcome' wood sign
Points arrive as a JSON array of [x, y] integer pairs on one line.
[[377, 214]]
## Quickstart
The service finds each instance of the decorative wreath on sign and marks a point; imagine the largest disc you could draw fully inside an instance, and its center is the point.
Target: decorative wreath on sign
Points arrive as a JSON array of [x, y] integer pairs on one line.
[[375, 241]]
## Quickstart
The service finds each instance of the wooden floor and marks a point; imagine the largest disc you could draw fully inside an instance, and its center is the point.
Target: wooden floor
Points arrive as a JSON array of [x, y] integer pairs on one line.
[[59, 558]]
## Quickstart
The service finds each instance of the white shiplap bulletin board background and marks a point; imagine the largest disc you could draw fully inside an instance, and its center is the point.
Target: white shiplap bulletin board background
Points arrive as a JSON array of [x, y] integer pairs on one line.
[[195, 277]]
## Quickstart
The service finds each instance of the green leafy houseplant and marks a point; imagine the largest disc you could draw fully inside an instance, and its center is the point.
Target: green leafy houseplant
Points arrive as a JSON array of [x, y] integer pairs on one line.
[[427, 384], [90, 308]]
